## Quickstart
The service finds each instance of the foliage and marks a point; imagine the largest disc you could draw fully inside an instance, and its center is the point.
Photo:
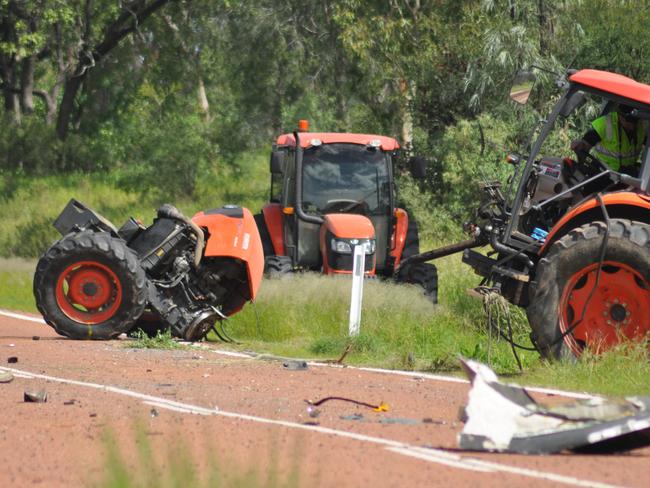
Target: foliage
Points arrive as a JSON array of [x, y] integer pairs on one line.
[[162, 340]]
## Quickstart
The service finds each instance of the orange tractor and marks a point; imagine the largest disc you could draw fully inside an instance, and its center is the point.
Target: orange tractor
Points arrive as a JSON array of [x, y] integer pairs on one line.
[[331, 192], [571, 244], [180, 274]]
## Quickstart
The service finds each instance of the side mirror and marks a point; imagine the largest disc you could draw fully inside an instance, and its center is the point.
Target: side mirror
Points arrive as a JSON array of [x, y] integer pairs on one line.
[[418, 167], [522, 85], [277, 162]]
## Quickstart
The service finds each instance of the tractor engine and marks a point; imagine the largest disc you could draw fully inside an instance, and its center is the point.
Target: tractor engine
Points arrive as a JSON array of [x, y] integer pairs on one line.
[[188, 297]]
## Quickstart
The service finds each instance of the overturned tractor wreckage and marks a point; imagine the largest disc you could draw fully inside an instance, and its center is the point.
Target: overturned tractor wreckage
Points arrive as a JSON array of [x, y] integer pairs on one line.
[[181, 274]]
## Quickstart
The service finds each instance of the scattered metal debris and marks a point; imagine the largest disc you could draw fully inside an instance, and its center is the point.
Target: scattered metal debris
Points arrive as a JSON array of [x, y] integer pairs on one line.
[[36, 338], [357, 417], [6, 377], [39, 396], [382, 407], [12, 359], [295, 365], [69, 402], [313, 412], [154, 413], [505, 418], [92, 415]]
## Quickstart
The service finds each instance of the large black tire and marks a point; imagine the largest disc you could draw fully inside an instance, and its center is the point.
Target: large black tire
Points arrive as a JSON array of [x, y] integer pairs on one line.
[[566, 276], [423, 274], [277, 266], [412, 241], [267, 245], [90, 286]]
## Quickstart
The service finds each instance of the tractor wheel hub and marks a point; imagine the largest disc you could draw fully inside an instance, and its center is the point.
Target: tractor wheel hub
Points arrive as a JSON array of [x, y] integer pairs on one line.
[[618, 312]]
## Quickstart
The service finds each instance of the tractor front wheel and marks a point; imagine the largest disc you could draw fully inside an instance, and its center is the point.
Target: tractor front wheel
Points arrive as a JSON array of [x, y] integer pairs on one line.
[[90, 286], [577, 302], [277, 266]]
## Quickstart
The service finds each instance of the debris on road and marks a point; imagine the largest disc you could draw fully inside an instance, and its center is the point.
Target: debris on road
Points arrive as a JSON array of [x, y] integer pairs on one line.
[[154, 412], [6, 377], [36, 338], [12, 360], [313, 412], [505, 418], [295, 365], [39, 396], [382, 407], [69, 402]]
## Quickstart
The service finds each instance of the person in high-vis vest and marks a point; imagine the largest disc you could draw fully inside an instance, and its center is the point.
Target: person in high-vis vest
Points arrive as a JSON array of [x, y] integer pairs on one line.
[[617, 139]]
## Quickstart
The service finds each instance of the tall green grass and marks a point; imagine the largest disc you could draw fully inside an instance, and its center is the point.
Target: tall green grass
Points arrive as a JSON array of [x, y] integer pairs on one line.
[[308, 314], [173, 465]]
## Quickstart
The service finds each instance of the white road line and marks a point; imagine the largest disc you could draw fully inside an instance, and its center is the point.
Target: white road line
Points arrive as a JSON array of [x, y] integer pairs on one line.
[[432, 455], [411, 374], [22, 317]]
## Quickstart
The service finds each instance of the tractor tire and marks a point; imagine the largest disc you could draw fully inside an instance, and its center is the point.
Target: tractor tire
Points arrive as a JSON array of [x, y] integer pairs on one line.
[[424, 275], [565, 285], [412, 241], [90, 286], [277, 266], [267, 245]]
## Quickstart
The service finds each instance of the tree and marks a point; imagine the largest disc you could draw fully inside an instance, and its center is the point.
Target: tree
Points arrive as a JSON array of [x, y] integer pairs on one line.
[[51, 45]]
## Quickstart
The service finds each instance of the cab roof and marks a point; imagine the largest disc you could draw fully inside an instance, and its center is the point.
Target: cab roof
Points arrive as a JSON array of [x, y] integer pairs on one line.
[[613, 83], [386, 143]]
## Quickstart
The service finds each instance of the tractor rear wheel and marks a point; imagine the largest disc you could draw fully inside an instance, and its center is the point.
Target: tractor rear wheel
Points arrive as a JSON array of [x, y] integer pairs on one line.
[[424, 275], [265, 236], [90, 286], [576, 303], [277, 266], [412, 241]]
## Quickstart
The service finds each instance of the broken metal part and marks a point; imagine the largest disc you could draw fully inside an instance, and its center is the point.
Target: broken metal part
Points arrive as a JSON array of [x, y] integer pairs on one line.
[[12, 360], [505, 418], [295, 365], [6, 377], [39, 396]]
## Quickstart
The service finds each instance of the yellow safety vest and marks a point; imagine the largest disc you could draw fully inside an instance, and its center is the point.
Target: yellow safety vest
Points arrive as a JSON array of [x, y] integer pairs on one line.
[[615, 147]]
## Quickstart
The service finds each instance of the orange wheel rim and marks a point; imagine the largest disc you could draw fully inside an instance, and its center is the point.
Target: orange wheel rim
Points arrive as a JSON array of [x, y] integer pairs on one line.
[[88, 292], [619, 307]]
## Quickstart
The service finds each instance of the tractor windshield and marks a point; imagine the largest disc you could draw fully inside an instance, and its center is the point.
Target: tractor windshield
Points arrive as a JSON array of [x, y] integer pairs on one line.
[[346, 178]]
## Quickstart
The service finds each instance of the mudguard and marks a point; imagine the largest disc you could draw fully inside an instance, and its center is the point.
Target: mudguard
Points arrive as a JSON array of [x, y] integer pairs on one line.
[[617, 203], [399, 235], [273, 219], [232, 232]]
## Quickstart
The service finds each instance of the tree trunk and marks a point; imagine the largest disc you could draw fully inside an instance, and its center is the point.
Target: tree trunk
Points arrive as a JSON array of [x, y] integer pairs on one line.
[[70, 90], [407, 92], [127, 22], [27, 84]]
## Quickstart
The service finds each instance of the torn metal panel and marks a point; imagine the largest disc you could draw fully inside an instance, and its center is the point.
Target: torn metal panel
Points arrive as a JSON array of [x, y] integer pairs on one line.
[[505, 418]]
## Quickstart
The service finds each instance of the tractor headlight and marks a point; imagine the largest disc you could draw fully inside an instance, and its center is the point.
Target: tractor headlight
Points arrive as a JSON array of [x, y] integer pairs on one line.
[[345, 246]]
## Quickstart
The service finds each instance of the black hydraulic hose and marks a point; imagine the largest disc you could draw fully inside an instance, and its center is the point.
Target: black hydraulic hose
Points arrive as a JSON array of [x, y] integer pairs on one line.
[[512, 253], [300, 213]]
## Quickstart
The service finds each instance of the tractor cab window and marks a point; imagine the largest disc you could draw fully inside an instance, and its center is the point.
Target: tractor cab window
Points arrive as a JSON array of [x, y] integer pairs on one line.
[[345, 178]]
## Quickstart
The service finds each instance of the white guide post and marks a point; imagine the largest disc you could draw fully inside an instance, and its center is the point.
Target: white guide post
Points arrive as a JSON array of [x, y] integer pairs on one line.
[[357, 290]]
